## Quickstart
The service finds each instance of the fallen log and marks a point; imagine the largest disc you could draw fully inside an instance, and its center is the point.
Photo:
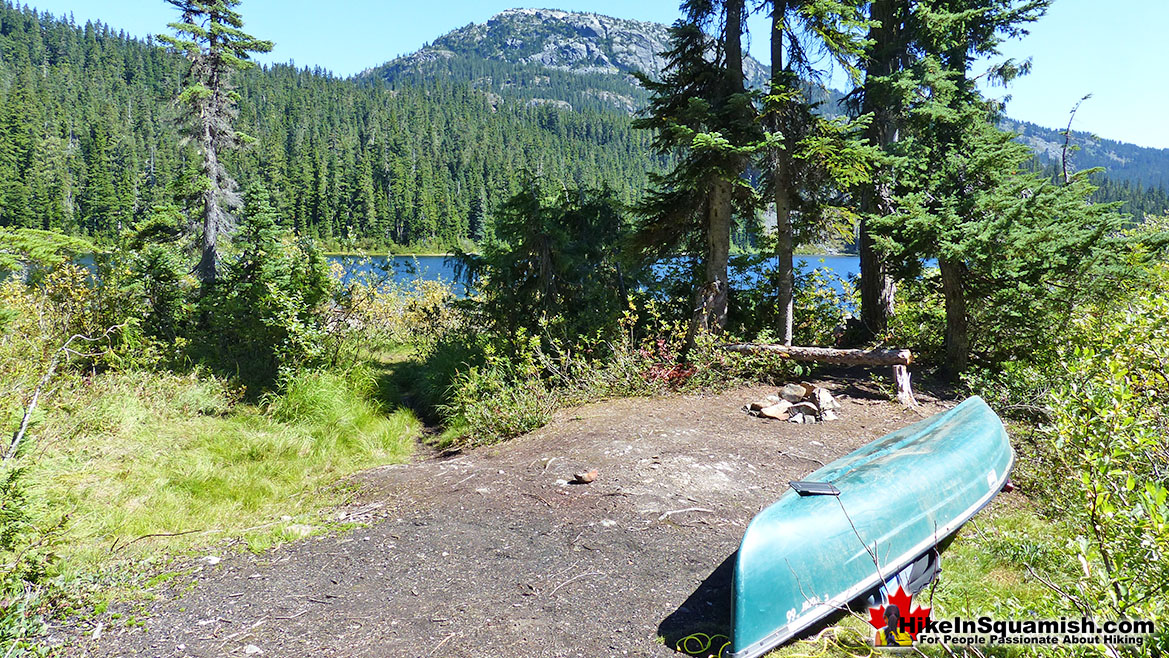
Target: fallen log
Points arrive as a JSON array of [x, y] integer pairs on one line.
[[899, 359], [828, 354]]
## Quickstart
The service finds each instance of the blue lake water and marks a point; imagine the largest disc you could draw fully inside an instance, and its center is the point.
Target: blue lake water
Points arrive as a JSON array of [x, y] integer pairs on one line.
[[405, 269]]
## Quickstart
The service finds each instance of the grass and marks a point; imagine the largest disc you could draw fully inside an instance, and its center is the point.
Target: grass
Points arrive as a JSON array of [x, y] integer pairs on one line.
[[140, 454]]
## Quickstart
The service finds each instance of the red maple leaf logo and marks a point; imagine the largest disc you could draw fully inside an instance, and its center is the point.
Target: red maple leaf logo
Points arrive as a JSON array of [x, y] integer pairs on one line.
[[910, 622]]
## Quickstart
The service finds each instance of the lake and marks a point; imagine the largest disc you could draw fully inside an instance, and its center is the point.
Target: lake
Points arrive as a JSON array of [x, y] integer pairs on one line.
[[406, 269]]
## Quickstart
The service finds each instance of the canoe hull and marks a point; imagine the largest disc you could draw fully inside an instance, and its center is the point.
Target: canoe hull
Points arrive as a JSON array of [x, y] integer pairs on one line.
[[805, 557]]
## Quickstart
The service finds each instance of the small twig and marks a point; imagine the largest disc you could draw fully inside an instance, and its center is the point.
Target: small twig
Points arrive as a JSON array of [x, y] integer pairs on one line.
[[293, 616], [1057, 589], [154, 534], [872, 553], [583, 575], [670, 513], [463, 480], [439, 645], [800, 457], [538, 498]]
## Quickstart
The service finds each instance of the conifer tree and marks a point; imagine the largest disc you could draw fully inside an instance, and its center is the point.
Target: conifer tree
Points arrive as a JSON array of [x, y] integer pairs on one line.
[[701, 111], [209, 34], [1012, 247], [797, 176], [885, 61]]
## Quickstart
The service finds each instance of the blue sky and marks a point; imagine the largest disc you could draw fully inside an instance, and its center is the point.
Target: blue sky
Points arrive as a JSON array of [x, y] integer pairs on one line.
[[1115, 50]]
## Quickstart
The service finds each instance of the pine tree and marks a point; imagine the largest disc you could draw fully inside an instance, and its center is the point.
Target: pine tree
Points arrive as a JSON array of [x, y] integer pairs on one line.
[[209, 35]]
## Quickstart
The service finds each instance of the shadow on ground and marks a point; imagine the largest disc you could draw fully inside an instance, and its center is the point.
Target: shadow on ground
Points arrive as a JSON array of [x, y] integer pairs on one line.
[[707, 610]]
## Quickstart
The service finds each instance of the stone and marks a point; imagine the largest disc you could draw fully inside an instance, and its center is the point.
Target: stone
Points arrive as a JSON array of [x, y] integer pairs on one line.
[[778, 411], [824, 399], [792, 392], [796, 418], [806, 408], [828, 414], [586, 477]]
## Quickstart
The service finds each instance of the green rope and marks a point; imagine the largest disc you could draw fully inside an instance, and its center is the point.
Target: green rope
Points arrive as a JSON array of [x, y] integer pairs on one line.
[[700, 643]]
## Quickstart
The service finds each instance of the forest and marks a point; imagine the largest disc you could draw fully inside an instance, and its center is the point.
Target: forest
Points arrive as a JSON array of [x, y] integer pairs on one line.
[[90, 143], [194, 393]]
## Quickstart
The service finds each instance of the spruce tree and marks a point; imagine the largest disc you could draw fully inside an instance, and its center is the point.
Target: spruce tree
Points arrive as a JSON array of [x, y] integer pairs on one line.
[[209, 35]]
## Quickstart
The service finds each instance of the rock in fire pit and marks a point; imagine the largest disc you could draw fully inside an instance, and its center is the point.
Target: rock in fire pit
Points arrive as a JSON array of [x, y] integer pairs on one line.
[[797, 403]]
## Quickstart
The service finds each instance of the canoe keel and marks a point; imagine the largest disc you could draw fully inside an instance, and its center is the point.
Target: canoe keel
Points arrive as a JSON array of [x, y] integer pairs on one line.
[[808, 556]]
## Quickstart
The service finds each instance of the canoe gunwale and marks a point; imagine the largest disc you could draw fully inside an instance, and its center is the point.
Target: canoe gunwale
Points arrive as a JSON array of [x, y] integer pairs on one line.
[[792, 628]]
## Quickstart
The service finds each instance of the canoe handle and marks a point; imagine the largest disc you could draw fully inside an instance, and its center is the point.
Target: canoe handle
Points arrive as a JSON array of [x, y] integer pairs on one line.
[[814, 488]]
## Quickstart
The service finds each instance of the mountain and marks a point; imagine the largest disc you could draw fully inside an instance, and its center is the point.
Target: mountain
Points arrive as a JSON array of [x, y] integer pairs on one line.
[[584, 61], [416, 152], [573, 60], [1148, 167]]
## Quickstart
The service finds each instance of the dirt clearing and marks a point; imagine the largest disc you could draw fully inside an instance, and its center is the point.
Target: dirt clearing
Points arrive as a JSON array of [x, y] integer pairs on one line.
[[495, 553]]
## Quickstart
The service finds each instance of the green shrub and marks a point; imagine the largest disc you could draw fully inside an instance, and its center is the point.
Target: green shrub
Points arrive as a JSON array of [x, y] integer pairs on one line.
[[27, 563], [919, 318], [264, 314], [553, 264], [821, 303], [1110, 420]]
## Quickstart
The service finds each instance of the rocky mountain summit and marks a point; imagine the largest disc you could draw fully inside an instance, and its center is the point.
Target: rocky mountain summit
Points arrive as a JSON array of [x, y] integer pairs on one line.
[[564, 40], [570, 41], [519, 52], [576, 61]]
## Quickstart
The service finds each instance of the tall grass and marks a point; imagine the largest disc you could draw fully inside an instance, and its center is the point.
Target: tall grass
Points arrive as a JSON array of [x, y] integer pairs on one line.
[[137, 454]]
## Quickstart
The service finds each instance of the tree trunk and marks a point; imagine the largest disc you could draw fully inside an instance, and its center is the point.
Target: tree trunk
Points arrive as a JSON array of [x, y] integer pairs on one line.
[[718, 244], [734, 45], [957, 321], [886, 57], [780, 165], [208, 267], [876, 286], [712, 299]]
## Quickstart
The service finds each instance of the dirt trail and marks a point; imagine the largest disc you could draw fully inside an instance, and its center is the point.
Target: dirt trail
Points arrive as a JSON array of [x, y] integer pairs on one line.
[[491, 553]]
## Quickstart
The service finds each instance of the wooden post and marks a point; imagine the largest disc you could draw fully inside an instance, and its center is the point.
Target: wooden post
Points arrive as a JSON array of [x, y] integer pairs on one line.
[[899, 359]]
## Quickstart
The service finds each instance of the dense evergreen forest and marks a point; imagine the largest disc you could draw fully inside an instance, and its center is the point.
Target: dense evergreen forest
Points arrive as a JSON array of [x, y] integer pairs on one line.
[[89, 143]]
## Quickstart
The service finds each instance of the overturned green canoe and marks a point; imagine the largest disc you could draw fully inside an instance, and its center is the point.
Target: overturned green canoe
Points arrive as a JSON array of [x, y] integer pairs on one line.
[[807, 556]]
